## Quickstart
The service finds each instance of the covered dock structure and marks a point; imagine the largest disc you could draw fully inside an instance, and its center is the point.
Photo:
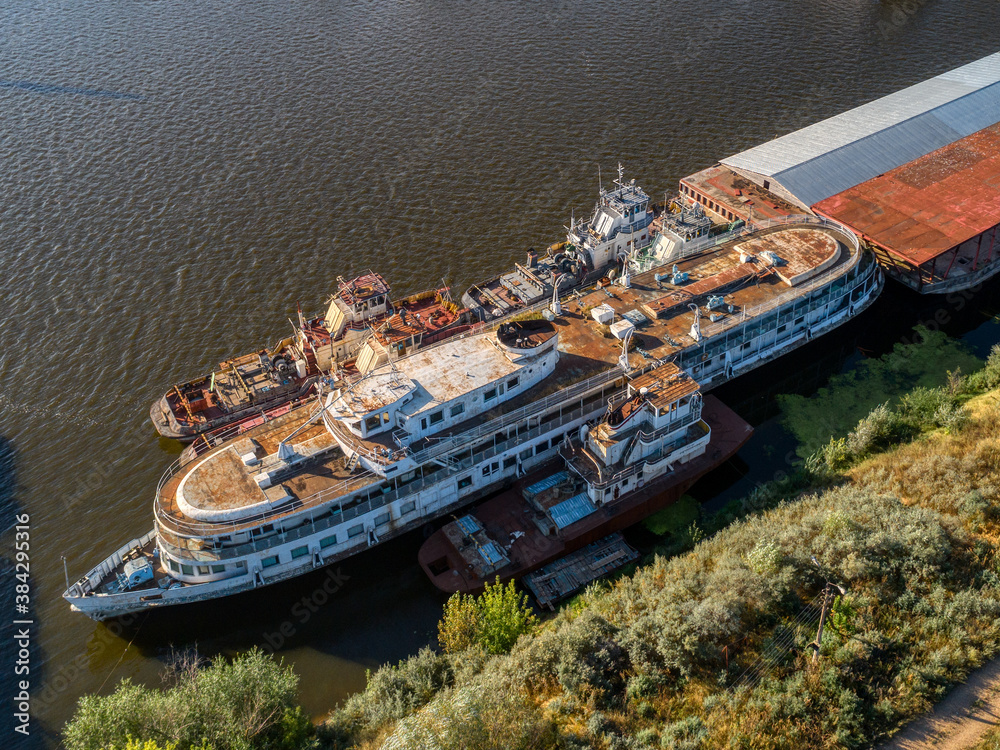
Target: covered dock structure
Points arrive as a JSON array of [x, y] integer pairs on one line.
[[915, 174]]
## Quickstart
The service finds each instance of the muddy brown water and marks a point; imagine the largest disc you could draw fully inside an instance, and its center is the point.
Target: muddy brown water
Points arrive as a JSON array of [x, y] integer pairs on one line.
[[174, 177]]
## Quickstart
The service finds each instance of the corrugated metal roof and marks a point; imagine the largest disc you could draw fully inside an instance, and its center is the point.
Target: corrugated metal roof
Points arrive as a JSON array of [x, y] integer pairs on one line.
[[570, 511], [491, 553], [850, 148], [930, 205], [545, 484]]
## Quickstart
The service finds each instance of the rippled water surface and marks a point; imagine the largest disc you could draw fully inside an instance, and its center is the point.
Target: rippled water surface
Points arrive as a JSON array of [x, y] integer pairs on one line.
[[174, 177]]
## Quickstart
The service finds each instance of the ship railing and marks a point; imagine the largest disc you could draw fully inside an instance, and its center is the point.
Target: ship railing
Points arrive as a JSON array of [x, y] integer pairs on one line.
[[648, 263], [320, 506], [712, 329], [636, 467], [96, 575], [448, 444], [185, 527]]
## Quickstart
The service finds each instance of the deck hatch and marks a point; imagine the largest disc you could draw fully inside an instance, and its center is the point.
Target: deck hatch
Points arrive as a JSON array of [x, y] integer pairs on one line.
[[545, 484], [491, 554], [570, 511], [469, 525]]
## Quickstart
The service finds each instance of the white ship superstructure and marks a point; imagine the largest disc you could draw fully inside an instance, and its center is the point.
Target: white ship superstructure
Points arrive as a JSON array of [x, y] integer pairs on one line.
[[427, 433]]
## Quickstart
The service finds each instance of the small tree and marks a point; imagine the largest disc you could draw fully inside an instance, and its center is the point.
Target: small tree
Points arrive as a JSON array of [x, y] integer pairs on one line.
[[504, 616], [459, 627], [493, 621]]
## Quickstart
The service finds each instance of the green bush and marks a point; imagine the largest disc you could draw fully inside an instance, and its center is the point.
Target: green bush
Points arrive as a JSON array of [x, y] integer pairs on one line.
[[988, 378], [245, 704], [493, 621]]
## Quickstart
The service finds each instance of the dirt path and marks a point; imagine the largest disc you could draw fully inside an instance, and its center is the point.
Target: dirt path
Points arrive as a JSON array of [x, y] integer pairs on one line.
[[960, 720]]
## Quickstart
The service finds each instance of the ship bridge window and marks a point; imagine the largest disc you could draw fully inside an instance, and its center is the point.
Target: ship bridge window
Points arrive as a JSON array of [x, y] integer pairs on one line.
[[372, 423], [218, 568]]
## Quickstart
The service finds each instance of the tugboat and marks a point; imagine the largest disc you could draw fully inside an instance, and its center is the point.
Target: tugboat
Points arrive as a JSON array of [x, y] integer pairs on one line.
[[619, 227], [651, 445], [250, 389]]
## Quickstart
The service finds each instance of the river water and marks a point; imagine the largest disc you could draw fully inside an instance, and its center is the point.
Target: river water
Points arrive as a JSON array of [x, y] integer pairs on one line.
[[174, 177]]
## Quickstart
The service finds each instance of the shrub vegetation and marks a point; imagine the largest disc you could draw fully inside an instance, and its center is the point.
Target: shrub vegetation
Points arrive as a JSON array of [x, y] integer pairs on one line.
[[710, 648]]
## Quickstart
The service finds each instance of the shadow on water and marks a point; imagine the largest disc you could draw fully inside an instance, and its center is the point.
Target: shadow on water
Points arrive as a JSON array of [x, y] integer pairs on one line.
[[20, 662], [970, 316], [370, 609]]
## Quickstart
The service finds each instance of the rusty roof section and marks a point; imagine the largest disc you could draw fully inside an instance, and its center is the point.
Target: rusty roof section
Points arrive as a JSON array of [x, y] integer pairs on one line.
[[930, 205], [803, 252], [363, 287], [665, 384], [735, 192]]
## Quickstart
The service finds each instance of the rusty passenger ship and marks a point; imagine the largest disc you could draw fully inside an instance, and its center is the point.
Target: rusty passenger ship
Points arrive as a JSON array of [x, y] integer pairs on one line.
[[377, 453]]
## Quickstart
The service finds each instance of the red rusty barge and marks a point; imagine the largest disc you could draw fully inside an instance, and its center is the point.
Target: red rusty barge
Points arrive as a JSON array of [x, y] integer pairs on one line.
[[362, 329], [654, 442]]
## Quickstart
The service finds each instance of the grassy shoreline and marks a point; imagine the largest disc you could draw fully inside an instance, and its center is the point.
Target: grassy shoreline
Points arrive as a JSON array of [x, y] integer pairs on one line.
[[709, 647]]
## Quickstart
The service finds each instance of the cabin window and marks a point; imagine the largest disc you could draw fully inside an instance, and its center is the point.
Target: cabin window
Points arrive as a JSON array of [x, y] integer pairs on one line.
[[525, 454], [490, 394], [767, 184], [457, 409], [407, 508], [372, 423], [464, 482], [782, 328], [437, 417], [203, 570], [267, 528], [187, 570], [509, 462], [267, 562], [512, 383], [300, 552], [172, 565], [541, 447], [328, 541], [625, 483], [423, 423], [218, 568], [241, 564], [382, 520], [355, 531]]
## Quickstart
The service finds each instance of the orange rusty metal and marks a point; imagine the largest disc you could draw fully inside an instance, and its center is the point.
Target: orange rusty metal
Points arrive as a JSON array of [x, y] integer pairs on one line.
[[930, 205]]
